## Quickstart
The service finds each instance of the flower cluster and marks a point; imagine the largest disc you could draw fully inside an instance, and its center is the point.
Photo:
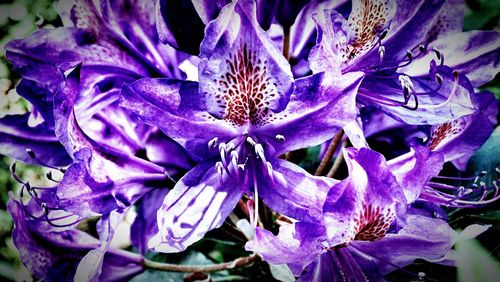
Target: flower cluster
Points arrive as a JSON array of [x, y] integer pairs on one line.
[[195, 114]]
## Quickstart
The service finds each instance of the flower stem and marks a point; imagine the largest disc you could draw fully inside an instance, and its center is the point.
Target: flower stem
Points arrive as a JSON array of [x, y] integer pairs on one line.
[[335, 166], [239, 262], [329, 152], [286, 42]]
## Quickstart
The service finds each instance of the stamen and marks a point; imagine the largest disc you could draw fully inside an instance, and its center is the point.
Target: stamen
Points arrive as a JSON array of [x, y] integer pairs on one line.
[[259, 151], [280, 138], [381, 53], [251, 141], [49, 177], [256, 196], [33, 156], [212, 143]]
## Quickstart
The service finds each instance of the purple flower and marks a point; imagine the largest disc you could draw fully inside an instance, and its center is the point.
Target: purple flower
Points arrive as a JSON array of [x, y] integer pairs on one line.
[[389, 40], [52, 255], [73, 75], [243, 114], [366, 231], [115, 46]]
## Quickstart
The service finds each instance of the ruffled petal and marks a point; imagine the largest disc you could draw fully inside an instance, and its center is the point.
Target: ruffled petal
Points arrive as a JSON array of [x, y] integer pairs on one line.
[[198, 203], [414, 169], [98, 183], [54, 255], [242, 74], [320, 106], [365, 205], [294, 192], [178, 110]]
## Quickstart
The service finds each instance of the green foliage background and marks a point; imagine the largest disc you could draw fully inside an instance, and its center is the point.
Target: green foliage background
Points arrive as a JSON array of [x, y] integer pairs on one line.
[[20, 18]]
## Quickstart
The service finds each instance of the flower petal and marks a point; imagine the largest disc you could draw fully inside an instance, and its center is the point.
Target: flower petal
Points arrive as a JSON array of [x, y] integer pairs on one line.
[[475, 54], [320, 106], [236, 56], [414, 169], [365, 203], [294, 192], [198, 203], [295, 244], [437, 102], [16, 136], [422, 238], [178, 110]]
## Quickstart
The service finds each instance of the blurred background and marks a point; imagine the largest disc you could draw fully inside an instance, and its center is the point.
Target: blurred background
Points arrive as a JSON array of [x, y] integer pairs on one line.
[[478, 258]]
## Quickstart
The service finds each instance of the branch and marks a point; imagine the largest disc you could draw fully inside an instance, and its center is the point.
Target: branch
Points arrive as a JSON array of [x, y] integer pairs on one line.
[[239, 262], [329, 152]]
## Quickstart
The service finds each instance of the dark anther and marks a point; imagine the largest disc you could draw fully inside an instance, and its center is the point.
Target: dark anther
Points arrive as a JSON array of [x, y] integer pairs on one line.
[[383, 34], [455, 74], [409, 55], [482, 173], [439, 78], [414, 108], [438, 54], [421, 48], [31, 153]]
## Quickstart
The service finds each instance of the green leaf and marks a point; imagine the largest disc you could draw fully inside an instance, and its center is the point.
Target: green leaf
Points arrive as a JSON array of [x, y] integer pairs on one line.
[[474, 263]]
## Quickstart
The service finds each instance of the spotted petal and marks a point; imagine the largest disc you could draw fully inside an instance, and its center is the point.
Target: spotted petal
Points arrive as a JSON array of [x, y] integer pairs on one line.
[[242, 73]]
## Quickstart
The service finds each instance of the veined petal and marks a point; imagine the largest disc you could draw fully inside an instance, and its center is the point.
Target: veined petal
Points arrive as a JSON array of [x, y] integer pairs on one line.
[[475, 54], [369, 202], [429, 101], [421, 238], [294, 192], [320, 106], [98, 183], [178, 110], [242, 74], [16, 136], [198, 203]]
